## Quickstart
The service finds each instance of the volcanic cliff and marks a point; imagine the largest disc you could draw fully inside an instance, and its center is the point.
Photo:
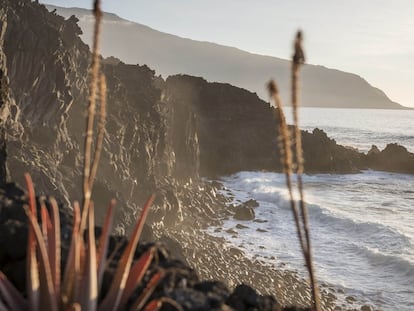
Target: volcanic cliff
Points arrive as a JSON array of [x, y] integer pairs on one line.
[[161, 137], [160, 134]]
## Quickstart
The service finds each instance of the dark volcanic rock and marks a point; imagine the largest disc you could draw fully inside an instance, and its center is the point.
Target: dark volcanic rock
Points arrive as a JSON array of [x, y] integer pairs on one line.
[[5, 101], [236, 129], [244, 213], [181, 128], [13, 232], [324, 155], [147, 138], [373, 151], [245, 298], [161, 136], [180, 283], [251, 203], [394, 158]]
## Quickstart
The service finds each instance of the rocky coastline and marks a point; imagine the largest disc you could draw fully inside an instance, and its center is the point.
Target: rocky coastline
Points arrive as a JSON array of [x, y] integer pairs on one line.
[[163, 137]]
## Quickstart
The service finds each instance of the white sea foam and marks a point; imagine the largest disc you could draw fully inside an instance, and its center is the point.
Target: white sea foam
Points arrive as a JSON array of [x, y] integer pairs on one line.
[[361, 225]]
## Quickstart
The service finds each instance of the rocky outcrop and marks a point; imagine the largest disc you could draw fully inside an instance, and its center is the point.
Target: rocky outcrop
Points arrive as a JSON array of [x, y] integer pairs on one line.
[[151, 144], [160, 134], [244, 213], [323, 155], [236, 130], [394, 158]]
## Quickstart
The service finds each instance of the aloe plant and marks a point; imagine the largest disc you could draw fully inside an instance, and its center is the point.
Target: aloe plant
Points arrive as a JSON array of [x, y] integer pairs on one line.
[[85, 265]]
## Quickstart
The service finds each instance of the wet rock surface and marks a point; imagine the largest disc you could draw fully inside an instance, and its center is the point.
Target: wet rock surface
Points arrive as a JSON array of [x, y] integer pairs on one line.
[[243, 212]]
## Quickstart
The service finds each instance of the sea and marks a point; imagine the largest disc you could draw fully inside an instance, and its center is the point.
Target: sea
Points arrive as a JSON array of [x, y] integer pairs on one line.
[[362, 225]]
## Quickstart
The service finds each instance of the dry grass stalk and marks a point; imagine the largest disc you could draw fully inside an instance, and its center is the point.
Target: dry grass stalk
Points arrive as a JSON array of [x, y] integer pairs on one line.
[[302, 224], [101, 130], [298, 60], [93, 86], [286, 155]]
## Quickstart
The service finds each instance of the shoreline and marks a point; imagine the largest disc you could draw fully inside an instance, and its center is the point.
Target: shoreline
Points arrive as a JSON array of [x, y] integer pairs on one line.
[[246, 236], [213, 258], [216, 257]]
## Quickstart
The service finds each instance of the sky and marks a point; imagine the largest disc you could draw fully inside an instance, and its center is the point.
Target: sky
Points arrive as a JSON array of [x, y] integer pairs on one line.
[[371, 38]]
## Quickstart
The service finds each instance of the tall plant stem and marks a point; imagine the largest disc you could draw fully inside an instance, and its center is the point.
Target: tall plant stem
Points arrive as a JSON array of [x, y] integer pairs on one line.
[[297, 60], [94, 72]]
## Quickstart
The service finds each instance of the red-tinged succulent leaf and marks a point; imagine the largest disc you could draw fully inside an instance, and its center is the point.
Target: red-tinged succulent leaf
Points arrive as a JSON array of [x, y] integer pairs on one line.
[[55, 245], [47, 297], [136, 274], [72, 264], [10, 295], [89, 294], [171, 302], [148, 290], [46, 225], [103, 242], [154, 305], [31, 192], [32, 272], [115, 293]]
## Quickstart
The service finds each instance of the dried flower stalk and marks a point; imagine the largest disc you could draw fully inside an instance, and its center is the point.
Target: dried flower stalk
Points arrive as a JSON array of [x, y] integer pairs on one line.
[[298, 60], [302, 224], [93, 86]]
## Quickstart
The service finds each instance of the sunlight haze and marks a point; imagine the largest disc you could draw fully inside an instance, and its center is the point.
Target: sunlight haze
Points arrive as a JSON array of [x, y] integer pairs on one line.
[[374, 39]]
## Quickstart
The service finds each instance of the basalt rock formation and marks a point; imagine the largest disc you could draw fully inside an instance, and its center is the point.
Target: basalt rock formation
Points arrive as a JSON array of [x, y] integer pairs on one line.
[[161, 136], [238, 131], [394, 158], [150, 146]]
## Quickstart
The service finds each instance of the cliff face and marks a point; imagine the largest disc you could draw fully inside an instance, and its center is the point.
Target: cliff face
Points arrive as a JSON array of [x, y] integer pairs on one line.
[[236, 130], [161, 135], [47, 65], [4, 98]]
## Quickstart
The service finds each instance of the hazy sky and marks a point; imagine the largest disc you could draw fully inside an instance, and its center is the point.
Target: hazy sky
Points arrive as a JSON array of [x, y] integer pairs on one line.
[[372, 38]]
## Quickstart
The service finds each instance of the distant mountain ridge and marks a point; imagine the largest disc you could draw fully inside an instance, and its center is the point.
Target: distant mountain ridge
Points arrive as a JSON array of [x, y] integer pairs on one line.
[[169, 54]]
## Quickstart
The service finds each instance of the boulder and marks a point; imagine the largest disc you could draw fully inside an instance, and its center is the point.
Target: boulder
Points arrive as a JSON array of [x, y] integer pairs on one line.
[[244, 213], [251, 203]]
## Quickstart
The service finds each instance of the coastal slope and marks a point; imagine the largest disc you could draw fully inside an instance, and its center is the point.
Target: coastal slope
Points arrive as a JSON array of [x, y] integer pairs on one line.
[[161, 136], [169, 54]]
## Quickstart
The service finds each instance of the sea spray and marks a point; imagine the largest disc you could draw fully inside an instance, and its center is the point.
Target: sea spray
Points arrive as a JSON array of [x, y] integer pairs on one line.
[[361, 224]]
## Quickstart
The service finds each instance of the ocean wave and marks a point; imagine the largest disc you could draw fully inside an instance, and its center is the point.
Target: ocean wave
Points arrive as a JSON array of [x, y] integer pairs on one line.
[[269, 188], [399, 267]]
